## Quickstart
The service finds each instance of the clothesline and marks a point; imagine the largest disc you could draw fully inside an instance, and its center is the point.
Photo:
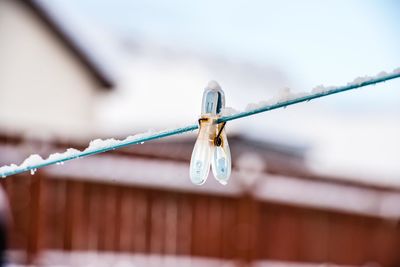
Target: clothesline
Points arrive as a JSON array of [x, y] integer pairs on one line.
[[97, 146]]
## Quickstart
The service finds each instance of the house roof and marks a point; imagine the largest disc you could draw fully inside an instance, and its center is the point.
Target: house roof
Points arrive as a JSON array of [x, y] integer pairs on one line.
[[71, 42]]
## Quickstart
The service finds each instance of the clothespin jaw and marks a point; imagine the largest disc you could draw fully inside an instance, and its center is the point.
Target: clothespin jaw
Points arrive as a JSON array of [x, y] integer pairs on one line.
[[211, 147], [213, 100]]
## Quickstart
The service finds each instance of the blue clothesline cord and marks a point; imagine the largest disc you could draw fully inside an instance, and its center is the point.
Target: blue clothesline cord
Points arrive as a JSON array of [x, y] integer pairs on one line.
[[193, 127], [309, 97]]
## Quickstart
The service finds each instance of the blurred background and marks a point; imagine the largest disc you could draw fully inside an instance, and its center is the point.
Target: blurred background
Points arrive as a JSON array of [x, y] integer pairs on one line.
[[314, 184]]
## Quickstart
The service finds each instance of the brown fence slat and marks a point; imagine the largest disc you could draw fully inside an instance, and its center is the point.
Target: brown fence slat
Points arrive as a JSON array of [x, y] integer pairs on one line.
[[229, 228], [157, 222], [171, 224], [78, 216], [141, 230], [19, 198], [184, 225], [214, 228], [35, 214], [126, 220], [199, 226], [95, 231], [109, 217]]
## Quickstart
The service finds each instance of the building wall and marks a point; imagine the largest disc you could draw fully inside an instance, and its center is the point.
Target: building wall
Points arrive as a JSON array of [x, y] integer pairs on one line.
[[43, 86]]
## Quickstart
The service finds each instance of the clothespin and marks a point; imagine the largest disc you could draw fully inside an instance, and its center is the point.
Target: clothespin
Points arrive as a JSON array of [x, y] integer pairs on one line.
[[211, 146]]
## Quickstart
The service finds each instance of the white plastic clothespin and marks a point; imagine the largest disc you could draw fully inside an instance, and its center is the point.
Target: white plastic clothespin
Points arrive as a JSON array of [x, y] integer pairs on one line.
[[212, 144]]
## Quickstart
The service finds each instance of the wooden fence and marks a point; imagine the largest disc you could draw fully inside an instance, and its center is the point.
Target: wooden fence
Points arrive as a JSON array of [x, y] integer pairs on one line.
[[74, 215]]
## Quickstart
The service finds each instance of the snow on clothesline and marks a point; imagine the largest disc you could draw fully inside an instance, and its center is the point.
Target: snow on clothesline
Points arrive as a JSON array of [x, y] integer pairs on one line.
[[283, 99], [71, 153], [285, 94]]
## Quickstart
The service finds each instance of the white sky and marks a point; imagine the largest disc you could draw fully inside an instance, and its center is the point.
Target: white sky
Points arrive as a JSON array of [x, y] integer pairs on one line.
[[311, 42]]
